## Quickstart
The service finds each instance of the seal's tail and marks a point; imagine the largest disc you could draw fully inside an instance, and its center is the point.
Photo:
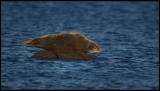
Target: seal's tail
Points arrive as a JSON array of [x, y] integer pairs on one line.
[[27, 42], [34, 42]]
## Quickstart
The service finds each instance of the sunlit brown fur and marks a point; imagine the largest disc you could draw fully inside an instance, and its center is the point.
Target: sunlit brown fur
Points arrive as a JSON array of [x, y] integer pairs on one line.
[[76, 44]]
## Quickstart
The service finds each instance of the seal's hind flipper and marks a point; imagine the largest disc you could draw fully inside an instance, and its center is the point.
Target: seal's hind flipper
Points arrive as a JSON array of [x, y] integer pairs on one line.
[[34, 42]]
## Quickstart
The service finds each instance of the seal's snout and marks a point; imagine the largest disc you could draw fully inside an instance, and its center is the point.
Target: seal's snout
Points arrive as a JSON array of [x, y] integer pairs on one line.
[[96, 49], [99, 50]]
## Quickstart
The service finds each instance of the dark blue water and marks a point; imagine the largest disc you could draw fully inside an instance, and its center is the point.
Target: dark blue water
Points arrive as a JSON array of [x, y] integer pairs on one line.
[[128, 33]]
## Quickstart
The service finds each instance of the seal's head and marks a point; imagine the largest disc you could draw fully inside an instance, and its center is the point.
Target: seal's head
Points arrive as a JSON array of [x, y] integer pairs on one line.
[[95, 48]]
